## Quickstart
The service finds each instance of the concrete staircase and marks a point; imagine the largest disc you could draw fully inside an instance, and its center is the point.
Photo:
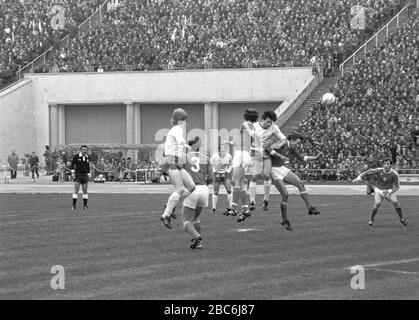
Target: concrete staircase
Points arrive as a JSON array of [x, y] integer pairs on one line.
[[303, 111]]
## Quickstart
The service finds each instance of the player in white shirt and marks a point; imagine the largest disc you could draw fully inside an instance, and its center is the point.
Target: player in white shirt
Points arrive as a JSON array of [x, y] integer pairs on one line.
[[222, 166], [242, 161], [173, 163], [266, 133]]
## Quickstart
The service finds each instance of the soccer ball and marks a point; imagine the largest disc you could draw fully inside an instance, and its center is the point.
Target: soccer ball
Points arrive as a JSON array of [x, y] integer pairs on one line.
[[328, 98]]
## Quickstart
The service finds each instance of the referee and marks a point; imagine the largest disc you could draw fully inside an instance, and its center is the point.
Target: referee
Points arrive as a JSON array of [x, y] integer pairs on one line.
[[80, 171]]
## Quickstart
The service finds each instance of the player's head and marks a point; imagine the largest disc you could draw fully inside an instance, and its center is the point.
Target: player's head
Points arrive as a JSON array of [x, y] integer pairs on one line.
[[178, 115], [295, 139], [222, 150], [251, 115], [83, 149], [268, 117], [387, 164]]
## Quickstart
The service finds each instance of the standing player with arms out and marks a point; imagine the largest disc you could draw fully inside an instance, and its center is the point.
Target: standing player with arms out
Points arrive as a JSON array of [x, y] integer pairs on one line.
[[386, 187], [80, 171], [199, 167], [173, 163], [281, 174], [221, 163], [242, 161], [266, 133]]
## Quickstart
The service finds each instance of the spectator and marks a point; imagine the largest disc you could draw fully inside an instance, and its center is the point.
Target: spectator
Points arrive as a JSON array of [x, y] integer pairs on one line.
[[415, 140], [60, 171], [13, 160], [33, 163], [48, 160]]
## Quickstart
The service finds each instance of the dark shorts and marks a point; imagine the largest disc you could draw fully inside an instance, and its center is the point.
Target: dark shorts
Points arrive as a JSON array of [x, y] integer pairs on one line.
[[222, 177], [170, 163], [81, 178]]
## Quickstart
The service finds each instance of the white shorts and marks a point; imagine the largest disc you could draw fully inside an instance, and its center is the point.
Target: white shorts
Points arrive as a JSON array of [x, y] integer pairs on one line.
[[242, 159], [379, 195], [198, 198], [279, 173]]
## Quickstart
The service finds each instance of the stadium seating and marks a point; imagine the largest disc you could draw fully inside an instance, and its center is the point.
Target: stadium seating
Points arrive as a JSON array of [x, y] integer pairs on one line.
[[29, 27], [376, 109], [163, 34]]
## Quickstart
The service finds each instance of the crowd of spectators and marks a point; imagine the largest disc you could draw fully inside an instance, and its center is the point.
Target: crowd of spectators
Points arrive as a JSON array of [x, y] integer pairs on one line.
[[376, 113], [30, 27], [184, 34]]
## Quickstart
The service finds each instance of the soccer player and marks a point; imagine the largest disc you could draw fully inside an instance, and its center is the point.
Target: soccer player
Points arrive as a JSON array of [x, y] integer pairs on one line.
[[281, 174], [387, 185], [80, 171], [241, 162], [199, 167], [173, 164], [266, 133], [221, 163]]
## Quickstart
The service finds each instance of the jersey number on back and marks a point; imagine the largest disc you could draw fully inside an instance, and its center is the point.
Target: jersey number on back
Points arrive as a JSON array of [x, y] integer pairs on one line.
[[196, 162]]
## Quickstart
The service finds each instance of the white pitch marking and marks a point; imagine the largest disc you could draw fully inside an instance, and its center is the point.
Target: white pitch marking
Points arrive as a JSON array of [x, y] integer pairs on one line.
[[387, 263], [248, 229], [395, 271]]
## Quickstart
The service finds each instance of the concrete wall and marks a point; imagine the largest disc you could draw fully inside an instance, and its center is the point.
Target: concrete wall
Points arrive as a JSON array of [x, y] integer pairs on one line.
[[26, 105], [170, 86], [17, 121]]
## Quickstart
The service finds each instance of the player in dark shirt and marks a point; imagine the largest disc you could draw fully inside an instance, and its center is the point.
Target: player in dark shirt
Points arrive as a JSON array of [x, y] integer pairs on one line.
[[80, 171], [281, 174], [386, 187]]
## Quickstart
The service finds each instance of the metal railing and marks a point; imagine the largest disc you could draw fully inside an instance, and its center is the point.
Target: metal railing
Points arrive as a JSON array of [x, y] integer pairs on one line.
[[381, 36], [93, 21]]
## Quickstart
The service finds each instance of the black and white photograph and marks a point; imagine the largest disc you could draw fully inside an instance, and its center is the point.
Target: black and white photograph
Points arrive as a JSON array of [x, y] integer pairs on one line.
[[209, 155]]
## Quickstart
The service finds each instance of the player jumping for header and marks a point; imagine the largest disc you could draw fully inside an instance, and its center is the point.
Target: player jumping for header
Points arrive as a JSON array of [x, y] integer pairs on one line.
[[281, 174], [266, 132], [241, 161], [387, 184], [173, 163]]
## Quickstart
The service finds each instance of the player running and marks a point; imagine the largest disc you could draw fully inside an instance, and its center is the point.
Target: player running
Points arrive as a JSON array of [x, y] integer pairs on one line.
[[199, 167], [80, 171], [175, 149], [281, 174], [266, 133], [241, 162], [387, 184], [221, 163]]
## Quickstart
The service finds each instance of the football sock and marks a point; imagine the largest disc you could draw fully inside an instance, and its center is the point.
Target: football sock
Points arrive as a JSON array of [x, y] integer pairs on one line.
[[284, 207], [197, 226], [399, 212], [236, 196], [85, 197], [244, 199], [171, 204], [267, 189], [373, 213], [214, 201], [304, 195], [75, 196], [189, 228], [230, 200], [252, 191]]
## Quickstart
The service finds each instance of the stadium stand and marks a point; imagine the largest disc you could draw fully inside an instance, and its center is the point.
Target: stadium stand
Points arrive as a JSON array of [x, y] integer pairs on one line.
[[376, 110], [29, 27], [162, 34]]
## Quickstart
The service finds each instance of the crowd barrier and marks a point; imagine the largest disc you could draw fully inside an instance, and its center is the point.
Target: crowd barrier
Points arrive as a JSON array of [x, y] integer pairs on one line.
[[153, 175]]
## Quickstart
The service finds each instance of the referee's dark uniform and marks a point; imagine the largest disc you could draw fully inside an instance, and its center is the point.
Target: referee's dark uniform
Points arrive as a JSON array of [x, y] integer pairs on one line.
[[81, 167]]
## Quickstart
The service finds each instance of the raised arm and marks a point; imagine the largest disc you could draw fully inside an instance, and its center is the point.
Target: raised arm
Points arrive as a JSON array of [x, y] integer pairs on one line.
[[363, 174]]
